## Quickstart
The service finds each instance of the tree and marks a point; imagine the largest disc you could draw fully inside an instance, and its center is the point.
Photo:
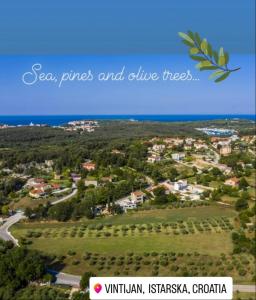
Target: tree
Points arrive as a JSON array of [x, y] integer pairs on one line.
[[84, 282], [28, 212], [5, 209], [241, 204], [216, 195], [173, 174], [18, 266], [61, 211], [243, 184], [160, 195], [116, 209]]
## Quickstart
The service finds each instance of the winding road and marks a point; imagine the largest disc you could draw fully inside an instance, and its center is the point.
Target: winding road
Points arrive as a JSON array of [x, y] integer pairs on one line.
[[4, 229]]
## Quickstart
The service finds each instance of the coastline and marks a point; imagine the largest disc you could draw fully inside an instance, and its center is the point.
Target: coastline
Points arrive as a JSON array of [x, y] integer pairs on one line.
[[56, 120]]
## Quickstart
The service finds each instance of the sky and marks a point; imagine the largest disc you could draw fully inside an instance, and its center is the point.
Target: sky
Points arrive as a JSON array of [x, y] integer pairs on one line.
[[107, 35], [235, 95], [122, 27]]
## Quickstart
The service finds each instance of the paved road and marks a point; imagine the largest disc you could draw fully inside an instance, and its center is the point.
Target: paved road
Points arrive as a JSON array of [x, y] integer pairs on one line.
[[64, 198], [4, 229], [244, 288]]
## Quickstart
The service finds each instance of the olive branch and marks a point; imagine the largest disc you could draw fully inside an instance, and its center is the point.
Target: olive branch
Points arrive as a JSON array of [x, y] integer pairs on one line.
[[209, 59]]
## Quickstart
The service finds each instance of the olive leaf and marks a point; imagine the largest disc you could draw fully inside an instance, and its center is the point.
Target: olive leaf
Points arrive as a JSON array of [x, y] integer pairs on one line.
[[201, 51]]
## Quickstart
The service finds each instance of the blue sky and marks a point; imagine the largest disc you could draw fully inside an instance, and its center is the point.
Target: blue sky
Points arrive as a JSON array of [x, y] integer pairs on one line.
[[235, 95], [122, 27], [105, 35]]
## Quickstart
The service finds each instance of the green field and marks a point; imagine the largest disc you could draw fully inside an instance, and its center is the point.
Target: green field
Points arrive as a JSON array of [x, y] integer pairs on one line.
[[219, 243], [161, 242]]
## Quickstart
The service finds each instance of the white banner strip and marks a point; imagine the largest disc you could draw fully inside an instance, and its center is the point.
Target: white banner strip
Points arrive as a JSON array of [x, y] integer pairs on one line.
[[178, 288]]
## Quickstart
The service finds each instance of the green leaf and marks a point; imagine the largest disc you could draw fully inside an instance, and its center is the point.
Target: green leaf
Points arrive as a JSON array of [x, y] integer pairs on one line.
[[186, 37], [187, 43], [204, 46], [226, 57], [209, 68], [209, 48], [191, 35], [197, 58], [215, 74], [197, 38], [221, 51], [222, 77], [203, 64], [194, 50], [222, 60], [215, 55]]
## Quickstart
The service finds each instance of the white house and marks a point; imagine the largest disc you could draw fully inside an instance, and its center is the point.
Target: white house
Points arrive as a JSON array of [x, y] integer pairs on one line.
[[88, 182], [154, 158], [137, 196], [178, 156], [126, 204], [180, 185], [158, 147]]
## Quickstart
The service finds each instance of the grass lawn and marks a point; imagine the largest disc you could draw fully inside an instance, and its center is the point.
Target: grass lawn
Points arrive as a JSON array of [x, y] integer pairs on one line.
[[219, 243], [229, 199], [27, 202], [166, 215], [152, 216], [251, 179]]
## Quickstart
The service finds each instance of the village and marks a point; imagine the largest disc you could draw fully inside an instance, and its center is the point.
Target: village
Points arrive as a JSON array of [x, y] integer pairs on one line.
[[76, 125], [194, 155]]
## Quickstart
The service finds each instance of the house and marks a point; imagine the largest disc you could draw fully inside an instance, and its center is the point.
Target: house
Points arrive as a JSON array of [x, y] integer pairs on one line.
[[115, 151], [187, 147], [158, 147], [48, 163], [234, 181], [225, 149], [57, 176], [154, 158], [39, 190], [137, 196], [55, 186], [178, 156], [225, 169], [36, 193], [106, 179], [189, 141], [89, 166], [180, 185], [174, 141], [75, 177], [200, 146], [126, 204], [32, 182], [89, 182]]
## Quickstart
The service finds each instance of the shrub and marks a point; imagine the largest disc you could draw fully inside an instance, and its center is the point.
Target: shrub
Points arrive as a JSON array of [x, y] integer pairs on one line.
[[174, 268], [99, 227]]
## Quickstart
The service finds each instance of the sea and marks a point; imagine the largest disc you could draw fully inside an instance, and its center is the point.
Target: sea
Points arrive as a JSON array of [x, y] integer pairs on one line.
[[57, 120]]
